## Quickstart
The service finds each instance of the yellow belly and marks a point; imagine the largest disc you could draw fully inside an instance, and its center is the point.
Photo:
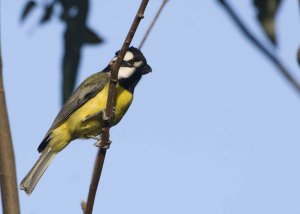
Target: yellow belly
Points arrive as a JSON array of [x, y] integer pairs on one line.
[[76, 125]]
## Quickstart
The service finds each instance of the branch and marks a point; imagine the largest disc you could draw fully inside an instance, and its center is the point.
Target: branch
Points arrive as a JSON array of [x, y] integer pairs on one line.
[[164, 2], [272, 57], [8, 180], [109, 108]]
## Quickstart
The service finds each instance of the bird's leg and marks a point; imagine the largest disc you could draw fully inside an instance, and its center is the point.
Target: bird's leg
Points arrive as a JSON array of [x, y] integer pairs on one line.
[[94, 137], [105, 118]]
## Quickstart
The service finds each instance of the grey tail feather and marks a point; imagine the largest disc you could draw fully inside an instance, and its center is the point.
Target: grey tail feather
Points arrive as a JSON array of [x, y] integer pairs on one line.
[[29, 182]]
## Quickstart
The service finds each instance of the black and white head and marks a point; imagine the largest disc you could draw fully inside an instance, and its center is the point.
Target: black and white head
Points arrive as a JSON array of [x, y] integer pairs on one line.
[[133, 67]]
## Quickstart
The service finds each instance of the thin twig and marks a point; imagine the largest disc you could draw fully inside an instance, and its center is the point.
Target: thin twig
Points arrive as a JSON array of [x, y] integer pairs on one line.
[[272, 57], [164, 2], [8, 178], [109, 108]]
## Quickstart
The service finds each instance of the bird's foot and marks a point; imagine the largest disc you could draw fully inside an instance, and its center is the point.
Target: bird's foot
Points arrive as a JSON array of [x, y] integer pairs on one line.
[[105, 146]]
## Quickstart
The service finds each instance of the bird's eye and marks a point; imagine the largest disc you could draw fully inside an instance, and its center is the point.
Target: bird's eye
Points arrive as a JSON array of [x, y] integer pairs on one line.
[[130, 62]]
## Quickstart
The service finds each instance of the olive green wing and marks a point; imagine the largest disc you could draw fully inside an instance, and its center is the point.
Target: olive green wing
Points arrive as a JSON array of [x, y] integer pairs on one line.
[[85, 91]]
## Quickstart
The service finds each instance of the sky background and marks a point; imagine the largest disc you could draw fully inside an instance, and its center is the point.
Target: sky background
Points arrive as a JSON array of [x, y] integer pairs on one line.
[[213, 129]]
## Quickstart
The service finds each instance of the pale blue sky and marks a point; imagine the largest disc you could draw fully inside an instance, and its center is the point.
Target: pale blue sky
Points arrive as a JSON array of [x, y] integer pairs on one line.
[[213, 129]]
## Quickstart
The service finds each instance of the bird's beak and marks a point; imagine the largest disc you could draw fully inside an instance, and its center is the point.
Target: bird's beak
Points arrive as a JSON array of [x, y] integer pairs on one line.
[[147, 69]]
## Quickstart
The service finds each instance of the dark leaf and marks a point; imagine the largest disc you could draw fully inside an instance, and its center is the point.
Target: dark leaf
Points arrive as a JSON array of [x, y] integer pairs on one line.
[[47, 13], [27, 9], [71, 59], [266, 12], [91, 37]]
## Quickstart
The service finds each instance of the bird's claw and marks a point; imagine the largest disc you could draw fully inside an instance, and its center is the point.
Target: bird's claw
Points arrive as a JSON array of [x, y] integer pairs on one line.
[[105, 146]]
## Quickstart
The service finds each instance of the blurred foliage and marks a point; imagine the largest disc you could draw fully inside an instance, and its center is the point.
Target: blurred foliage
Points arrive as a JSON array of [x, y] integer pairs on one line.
[[266, 12], [27, 9], [77, 33]]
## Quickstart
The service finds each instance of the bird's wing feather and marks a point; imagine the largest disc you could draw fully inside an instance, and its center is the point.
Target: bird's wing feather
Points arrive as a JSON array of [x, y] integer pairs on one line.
[[85, 91]]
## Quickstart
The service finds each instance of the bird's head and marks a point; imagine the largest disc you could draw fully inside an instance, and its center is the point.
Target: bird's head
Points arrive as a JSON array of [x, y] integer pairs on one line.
[[134, 64]]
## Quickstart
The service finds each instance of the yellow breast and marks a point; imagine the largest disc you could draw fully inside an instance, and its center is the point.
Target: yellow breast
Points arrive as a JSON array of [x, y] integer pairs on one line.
[[76, 125]]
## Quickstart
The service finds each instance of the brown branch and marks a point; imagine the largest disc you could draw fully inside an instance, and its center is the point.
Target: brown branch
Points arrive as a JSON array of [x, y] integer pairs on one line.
[[164, 2], [8, 179], [272, 57], [109, 108]]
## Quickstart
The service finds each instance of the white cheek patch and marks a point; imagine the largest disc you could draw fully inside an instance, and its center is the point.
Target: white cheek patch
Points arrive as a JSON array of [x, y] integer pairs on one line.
[[137, 64], [128, 56], [125, 72]]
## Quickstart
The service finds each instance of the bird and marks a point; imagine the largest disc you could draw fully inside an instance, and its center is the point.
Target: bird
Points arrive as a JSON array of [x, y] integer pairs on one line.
[[82, 116]]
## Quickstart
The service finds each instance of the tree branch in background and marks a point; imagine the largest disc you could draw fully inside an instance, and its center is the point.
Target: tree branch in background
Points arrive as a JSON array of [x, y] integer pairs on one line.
[[164, 2], [8, 179], [109, 108], [272, 57]]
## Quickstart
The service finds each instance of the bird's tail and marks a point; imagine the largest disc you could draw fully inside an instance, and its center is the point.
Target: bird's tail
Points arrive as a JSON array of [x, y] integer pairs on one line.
[[29, 182]]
